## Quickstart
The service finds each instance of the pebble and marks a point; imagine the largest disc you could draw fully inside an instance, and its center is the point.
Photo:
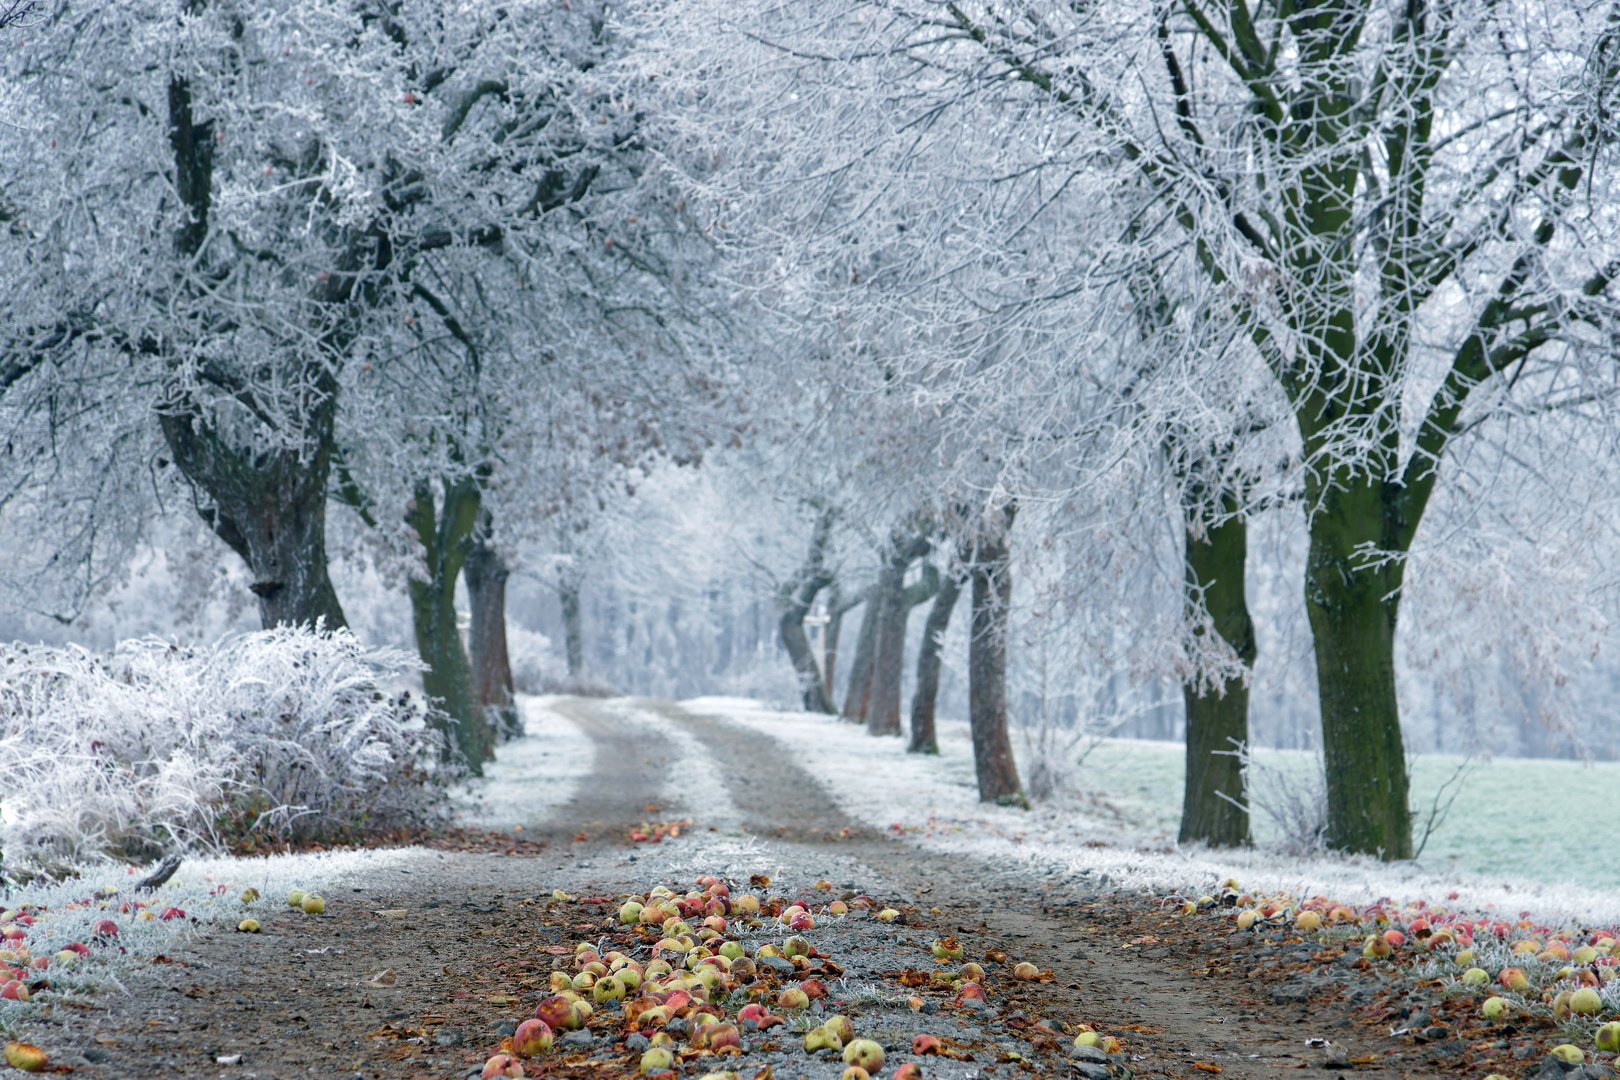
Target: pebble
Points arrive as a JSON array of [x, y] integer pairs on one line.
[[1089, 1070], [637, 1043], [1087, 1053], [582, 1037]]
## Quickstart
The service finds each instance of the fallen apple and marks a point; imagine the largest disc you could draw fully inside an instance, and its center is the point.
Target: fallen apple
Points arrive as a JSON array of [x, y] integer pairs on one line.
[[793, 1000], [926, 1044], [1088, 1038], [501, 1065], [608, 989], [888, 914], [314, 905], [1308, 922], [971, 972], [249, 895], [25, 1056], [1475, 976], [1607, 1037], [532, 1037], [1513, 978], [630, 913], [557, 1012], [1493, 1008], [1377, 948], [295, 898], [839, 1025], [1465, 958], [796, 946], [14, 990], [909, 1071], [656, 1059], [720, 1036], [1026, 972], [1568, 1053], [248, 926], [946, 949], [864, 1054], [819, 1038], [1585, 1002], [971, 990], [854, 1072]]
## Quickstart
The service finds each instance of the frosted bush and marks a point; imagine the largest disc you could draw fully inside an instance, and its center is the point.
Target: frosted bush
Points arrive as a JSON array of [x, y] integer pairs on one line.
[[283, 733]]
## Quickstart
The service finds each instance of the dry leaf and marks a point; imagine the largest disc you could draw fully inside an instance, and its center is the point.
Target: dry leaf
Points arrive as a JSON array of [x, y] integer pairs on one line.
[[386, 977]]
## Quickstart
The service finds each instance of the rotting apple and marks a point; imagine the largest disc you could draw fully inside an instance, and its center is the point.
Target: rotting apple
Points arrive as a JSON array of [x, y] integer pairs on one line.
[[820, 1038], [1567, 1052], [656, 1059], [315, 905], [1514, 979], [557, 1013], [793, 1000], [532, 1037], [840, 1025], [1475, 976], [926, 1044], [1377, 947], [864, 1054], [909, 1071], [1493, 1008], [1026, 972], [1585, 1002], [1607, 1037], [26, 1056]]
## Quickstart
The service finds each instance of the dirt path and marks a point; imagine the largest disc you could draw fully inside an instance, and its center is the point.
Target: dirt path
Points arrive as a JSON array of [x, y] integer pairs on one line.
[[475, 936]]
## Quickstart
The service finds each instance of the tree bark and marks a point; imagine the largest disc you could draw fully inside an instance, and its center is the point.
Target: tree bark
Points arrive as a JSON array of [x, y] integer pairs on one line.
[[923, 739], [793, 602], [445, 540], [837, 607], [568, 589], [1218, 717], [991, 574], [485, 574], [858, 694], [1353, 607], [888, 663]]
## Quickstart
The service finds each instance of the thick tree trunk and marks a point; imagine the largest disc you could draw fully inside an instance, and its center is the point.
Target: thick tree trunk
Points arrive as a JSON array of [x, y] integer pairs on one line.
[[1215, 807], [269, 506], [485, 574], [858, 694], [445, 540], [888, 663], [568, 589], [1353, 609], [271, 510], [923, 739], [839, 606], [987, 666]]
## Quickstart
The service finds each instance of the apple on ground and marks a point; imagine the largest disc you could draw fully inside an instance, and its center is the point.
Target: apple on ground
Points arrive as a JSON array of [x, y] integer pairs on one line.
[[864, 1054], [839, 1025], [532, 1037], [819, 1038], [501, 1065], [25, 1056]]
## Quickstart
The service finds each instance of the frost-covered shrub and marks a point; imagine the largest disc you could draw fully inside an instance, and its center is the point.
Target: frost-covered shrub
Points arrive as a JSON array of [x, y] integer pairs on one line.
[[285, 732]]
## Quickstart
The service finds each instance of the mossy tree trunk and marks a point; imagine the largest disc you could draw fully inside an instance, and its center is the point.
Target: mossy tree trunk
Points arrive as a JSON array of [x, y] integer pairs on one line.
[[1215, 806], [446, 538]]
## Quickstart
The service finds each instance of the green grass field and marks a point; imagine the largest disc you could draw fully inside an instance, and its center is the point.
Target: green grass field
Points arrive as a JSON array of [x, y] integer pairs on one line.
[[1543, 820]]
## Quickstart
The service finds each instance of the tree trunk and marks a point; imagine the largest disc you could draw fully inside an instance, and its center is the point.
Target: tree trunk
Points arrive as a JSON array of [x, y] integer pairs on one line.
[[793, 602], [269, 506], [445, 541], [837, 607], [858, 694], [888, 663], [271, 510], [568, 588], [1218, 717], [485, 574], [923, 740], [987, 666], [1353, 608]]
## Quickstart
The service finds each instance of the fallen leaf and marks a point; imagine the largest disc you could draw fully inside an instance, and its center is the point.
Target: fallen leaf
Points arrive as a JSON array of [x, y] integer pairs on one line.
[[1205, 1066], [393, 913], [386, 977]]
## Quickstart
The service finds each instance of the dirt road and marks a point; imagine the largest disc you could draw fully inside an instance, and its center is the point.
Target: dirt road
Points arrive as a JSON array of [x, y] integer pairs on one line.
[[472, 937]]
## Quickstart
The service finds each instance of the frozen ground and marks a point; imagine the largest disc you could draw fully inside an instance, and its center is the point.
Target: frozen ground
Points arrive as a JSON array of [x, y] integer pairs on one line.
[[531, 776], [1516, 839]]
